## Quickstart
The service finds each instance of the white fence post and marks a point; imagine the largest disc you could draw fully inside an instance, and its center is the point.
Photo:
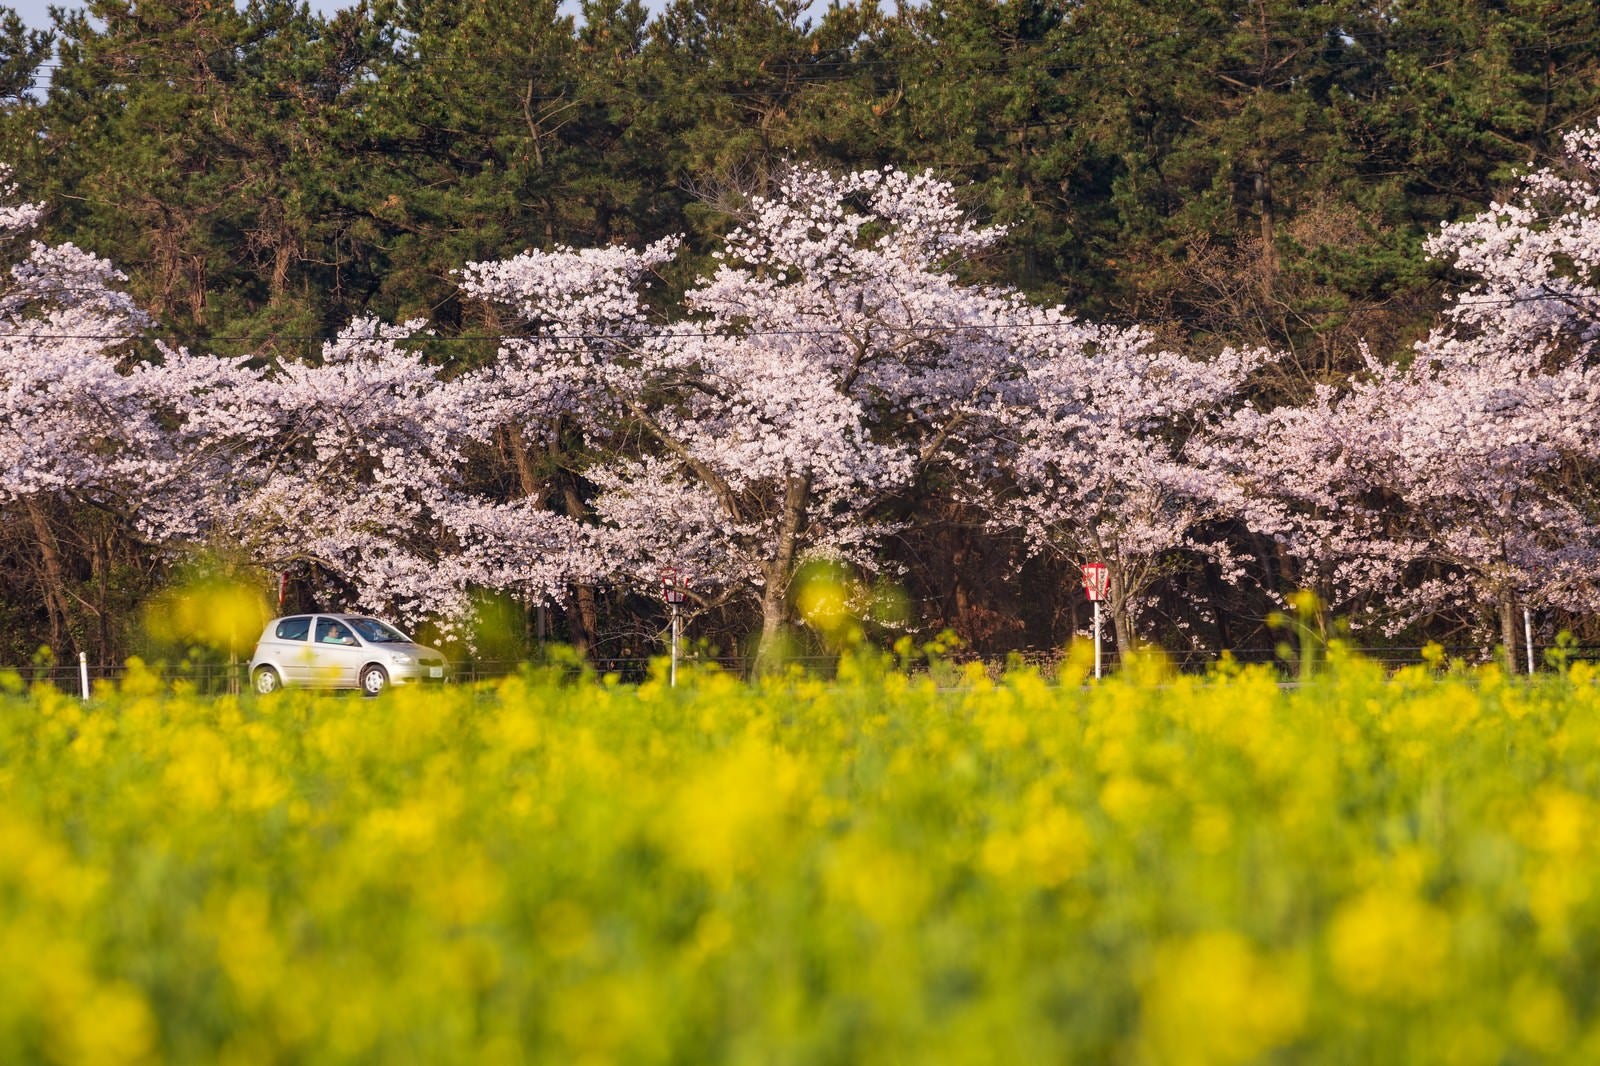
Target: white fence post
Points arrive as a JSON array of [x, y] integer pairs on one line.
[[1527, 635]]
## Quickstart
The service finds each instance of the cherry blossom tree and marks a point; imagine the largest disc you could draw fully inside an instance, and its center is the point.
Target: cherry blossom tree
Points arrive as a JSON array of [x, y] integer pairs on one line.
[[1095, 461], [1442, 487], [823, 366], [832, 364], [84, 422], [351, 470], [73, 422], [352, 467], [1459, 480], [1533, 261]]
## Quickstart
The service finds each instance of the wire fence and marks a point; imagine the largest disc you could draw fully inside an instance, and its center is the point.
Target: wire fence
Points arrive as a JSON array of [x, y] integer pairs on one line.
[[221, 678]]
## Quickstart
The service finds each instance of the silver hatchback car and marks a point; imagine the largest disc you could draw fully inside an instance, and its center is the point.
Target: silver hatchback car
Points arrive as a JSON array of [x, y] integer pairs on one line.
[[340, 651]]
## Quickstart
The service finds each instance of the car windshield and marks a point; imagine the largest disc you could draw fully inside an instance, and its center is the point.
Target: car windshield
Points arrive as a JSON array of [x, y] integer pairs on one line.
[[375, 632]]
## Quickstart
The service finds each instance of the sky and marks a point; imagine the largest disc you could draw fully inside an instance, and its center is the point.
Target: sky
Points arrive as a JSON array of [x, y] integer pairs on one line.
[[36, 13]]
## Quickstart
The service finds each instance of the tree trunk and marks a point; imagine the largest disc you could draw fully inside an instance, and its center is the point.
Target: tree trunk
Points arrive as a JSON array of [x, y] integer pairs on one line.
[[1121, 613], [54, 578], [102, 607], [1508, 631], [583, 615], [528, 479], [775, 596], [584, 621], [1269, 229], [1122, 630], [1216, 593], [774, 599]]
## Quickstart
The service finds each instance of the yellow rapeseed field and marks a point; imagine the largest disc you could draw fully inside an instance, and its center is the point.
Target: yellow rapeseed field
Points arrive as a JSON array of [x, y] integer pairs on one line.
[[561, 869]]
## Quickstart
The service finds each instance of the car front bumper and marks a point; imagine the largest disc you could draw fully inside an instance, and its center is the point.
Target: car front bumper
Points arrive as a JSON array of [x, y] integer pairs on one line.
[[417, 673]]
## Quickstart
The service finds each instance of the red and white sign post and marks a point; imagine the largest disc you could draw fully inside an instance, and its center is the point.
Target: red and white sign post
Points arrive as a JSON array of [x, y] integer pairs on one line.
[[673, 593], [1096, 582]]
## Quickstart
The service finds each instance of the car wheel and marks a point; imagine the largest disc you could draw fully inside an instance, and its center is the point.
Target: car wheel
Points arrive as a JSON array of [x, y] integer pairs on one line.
[[374, 679], [266, 680]]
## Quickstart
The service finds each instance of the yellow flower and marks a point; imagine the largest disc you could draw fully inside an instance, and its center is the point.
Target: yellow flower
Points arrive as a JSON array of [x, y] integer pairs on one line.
[[108, 1023], [1387, 944], [886, 886], [1212, 1000], [246, 945], [1562, 823], [731, 813], [1047, 850], [1127, 799], [1540, 1017]]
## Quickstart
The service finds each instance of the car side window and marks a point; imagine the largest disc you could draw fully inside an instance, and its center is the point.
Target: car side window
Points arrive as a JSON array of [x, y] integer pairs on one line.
[[331, 632], [293, 629]]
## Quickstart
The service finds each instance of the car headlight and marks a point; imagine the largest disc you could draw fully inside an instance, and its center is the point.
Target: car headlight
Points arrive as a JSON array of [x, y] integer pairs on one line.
[[400, 660]]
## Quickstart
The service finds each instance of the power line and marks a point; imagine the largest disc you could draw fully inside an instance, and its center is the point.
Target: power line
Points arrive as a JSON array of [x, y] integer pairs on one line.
[[932, 328]]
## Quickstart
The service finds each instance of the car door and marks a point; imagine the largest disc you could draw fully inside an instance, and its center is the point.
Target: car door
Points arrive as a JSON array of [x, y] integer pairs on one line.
[[338, 654], [291, 648]]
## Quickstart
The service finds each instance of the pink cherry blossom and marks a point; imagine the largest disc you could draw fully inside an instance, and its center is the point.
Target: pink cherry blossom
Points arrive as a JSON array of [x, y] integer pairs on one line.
[[825, 363], [1457, 481]]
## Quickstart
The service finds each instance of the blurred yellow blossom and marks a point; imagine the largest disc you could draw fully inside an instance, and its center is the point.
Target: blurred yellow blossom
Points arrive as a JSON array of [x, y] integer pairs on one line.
[[1389, 944], [736, 809], [1213, 999], [902, 864]]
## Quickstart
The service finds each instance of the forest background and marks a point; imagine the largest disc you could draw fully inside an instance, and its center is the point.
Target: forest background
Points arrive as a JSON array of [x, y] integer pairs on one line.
[[1221, 172]]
